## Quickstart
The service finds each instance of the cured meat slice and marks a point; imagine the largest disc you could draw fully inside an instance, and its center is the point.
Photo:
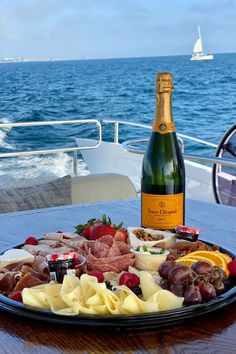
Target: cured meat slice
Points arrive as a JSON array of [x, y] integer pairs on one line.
[[52, 243], [36, 249], [61, 236], [108, 240], [42, 276], [27, 281], [123, 247], [184, 247], [114, 250], [8, 280], [107, 255], [43, 250], [115, 263], [98, 249], [40, 264], [74, 243]]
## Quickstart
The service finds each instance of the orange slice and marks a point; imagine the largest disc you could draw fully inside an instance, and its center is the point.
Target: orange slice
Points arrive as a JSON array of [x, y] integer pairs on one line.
[[226, 256], [188, 261], [214, 256]]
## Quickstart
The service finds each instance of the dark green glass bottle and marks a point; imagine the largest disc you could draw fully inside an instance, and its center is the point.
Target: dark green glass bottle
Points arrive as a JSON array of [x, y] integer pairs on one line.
[[163, 172]]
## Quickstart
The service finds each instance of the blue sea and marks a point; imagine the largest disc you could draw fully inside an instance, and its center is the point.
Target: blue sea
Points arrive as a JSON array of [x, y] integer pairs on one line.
[[204, 103]]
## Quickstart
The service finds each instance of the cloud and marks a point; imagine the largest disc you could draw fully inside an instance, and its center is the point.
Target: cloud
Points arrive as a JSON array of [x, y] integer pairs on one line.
[[112, 28]]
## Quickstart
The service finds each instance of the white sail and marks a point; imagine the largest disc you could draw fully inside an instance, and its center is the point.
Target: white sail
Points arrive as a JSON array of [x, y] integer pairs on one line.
[[198, 53], [198, 46]]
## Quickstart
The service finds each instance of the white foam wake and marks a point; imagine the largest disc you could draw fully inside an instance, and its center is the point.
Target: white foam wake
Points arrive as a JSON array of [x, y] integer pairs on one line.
[[57, 165], [3, 134]]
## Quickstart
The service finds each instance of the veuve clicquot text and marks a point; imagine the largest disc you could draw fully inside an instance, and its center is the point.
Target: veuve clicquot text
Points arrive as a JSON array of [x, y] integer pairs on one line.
[[163, 173]]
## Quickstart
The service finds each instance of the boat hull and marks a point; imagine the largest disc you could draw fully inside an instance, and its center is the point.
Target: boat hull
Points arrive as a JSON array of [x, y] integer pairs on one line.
[[202, 57]]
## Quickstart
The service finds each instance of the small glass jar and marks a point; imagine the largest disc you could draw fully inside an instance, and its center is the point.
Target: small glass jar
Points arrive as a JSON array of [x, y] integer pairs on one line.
[[66, 263], [187, 233]]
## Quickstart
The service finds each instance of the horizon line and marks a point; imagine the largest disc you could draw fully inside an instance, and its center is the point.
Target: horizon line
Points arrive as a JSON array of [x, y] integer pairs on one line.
[[12, 60]]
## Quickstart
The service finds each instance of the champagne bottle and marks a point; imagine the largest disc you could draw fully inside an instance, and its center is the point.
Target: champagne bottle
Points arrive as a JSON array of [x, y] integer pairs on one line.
[[163, 173]]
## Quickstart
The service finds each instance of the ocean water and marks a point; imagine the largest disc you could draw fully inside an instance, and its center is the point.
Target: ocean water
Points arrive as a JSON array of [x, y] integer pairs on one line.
[[204, 103]]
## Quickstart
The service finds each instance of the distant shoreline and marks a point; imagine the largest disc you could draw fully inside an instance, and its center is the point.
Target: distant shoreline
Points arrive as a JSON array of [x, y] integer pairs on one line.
[[38, 60], [24, 60]]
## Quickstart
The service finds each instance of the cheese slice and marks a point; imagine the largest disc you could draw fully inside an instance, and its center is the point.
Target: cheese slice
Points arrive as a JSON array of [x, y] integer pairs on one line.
[[15, 255]]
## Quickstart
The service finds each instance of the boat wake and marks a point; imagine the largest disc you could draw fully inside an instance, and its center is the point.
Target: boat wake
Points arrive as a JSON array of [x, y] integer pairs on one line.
[[57, 165], [3, 135]]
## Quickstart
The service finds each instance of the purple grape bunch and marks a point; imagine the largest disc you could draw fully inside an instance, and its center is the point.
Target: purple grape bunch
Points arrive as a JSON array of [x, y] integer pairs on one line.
[[197, 284]]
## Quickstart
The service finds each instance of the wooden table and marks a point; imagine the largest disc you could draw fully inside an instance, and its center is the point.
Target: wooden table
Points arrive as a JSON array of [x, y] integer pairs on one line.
[[214, 333]]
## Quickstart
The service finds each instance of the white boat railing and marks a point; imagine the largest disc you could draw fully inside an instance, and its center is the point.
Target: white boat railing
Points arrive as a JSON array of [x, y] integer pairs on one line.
[[117, 124], [127, 145], [131, 146]]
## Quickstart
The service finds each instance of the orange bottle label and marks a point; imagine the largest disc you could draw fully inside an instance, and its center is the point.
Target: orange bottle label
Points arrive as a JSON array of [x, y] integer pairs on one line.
[[163, 127], [162, 211]]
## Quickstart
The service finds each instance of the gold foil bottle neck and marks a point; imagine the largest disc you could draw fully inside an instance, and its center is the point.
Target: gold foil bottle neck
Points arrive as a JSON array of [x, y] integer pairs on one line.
[[164, 82]]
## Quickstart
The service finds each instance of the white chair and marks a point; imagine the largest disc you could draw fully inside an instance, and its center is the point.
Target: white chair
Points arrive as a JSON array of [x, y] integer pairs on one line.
[[105, 186]]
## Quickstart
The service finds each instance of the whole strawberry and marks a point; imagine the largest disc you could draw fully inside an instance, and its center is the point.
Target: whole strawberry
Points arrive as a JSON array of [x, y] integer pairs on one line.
[[85, 229], [232, 267], [102, 230], [95, 229], [131, 280]]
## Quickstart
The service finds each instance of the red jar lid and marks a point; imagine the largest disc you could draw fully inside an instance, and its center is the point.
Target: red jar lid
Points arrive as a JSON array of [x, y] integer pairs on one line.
[[61, 256], [187, 229]]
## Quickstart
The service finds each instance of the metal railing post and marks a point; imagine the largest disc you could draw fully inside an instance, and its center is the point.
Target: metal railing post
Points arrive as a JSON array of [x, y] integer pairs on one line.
[[75, 163], [116, 137]]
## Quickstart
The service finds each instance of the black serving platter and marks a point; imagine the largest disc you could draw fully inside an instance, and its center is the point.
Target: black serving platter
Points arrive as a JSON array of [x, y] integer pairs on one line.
[[158, 320]]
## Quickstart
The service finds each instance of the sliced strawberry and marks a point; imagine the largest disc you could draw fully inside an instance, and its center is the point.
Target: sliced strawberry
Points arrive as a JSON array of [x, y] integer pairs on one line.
[[121, 235], [31, 240], [232, 267], [131, 280], [16, 296], [102, 230], [96, 273]]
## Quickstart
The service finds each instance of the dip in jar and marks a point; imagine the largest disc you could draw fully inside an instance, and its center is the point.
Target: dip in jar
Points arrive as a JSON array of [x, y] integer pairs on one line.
[[65, 263], [187, 233]]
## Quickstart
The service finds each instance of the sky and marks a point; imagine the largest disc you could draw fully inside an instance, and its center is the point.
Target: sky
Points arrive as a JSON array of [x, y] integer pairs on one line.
[[92, 29]]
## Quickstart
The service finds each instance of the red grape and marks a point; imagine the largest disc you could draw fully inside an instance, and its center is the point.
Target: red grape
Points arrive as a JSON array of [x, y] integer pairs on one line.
[[165, 267], [192, 295], [177, 289], [202, 267], [179, 274], [208, 291], [219, 287]]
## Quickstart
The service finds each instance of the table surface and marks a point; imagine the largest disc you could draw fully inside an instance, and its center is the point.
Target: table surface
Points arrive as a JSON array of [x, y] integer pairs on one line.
[[212, 333]]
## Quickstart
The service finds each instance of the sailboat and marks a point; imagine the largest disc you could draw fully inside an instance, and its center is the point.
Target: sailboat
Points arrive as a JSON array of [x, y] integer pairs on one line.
[[198, 53]]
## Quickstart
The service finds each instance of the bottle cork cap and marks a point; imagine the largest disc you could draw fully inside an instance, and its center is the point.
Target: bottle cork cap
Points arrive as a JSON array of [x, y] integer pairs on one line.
[[164, 82]]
